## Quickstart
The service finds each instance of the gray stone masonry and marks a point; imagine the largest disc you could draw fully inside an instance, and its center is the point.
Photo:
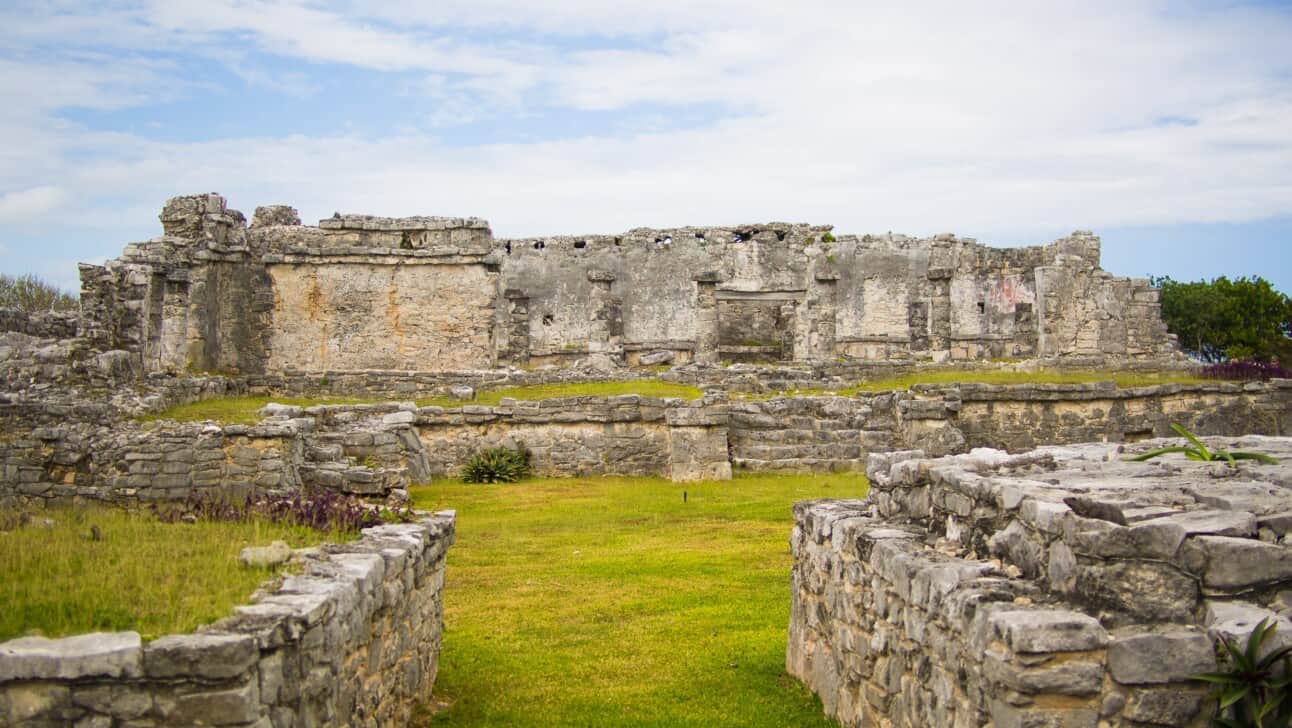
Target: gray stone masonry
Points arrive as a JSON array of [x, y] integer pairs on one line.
[[352, 639], [1062, 586], [360, 292]]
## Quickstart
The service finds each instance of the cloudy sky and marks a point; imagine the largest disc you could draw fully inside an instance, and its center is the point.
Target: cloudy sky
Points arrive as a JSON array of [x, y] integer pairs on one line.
[[1166, 127]]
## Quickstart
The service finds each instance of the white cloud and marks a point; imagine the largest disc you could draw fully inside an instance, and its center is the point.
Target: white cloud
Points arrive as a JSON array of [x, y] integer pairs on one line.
[[29, 203], [1024, 118]]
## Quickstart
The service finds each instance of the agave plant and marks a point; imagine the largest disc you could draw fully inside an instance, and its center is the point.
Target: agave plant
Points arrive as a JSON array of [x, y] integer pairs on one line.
[[497, 465], [1197, 451], [1252, 693]]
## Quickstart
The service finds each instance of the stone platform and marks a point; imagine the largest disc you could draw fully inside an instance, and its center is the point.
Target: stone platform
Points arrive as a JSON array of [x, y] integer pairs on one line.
[[1058, 587]]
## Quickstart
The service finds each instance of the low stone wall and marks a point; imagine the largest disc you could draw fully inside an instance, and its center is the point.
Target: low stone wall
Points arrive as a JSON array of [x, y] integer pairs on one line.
[[626, 435], [1019, 417], [1059, 587], [135, 463], [354, 639], [44, 324], [813, 433]]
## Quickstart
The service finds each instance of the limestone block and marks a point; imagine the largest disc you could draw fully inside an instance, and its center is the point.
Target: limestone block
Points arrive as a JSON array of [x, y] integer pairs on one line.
[[1170, 655], [1240, 563], [100, 654], [206, 655], [1047, 630]]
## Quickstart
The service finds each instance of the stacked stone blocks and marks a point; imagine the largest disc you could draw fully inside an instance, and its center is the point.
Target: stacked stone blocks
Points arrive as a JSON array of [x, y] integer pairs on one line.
[[353, 639]]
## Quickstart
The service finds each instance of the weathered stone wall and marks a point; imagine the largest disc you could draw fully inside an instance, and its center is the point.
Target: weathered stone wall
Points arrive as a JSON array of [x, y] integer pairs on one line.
[[131, 463], [365, 316], [627, 435], [832, 433], [1056, 587], [42, 324], [354, 639], [422, 293], [811, 433], [1018, 417]]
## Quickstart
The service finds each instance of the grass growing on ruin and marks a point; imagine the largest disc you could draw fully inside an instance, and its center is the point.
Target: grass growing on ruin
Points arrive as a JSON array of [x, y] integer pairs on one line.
[[996, 376], [1001, 376], [534, 392], [242, 410], [142, 575], [239, 410], [611, 602]]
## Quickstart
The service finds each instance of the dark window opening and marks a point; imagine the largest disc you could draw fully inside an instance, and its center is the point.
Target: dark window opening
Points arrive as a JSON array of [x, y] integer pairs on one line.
[[540, 245], [547, 319], [580, 244], [982, 307]]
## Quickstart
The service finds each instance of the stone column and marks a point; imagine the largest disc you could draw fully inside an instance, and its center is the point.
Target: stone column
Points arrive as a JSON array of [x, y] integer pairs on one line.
[[706, 317], [516, 327], [822, 308], [174, 322], [606, 334]]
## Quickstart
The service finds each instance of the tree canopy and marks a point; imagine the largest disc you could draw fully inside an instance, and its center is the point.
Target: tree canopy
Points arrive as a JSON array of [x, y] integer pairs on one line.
[[1221, 319], [31, 294]]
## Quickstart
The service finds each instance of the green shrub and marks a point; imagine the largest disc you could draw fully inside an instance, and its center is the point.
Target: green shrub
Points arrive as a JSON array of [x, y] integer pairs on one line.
[[828, 238], [497, 465]]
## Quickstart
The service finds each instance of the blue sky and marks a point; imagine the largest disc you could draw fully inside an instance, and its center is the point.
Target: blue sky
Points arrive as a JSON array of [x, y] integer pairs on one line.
[[1165, 127]]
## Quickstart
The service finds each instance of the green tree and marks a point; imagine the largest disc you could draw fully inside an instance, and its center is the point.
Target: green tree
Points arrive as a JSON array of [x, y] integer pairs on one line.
[[31, 294], [1245, 318]]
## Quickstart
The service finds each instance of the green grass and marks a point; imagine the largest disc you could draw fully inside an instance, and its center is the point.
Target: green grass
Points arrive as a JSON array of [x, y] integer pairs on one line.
[[610, 602], [1003, 376], [242, 410], [151, 577], [996, 376], [534, 392]]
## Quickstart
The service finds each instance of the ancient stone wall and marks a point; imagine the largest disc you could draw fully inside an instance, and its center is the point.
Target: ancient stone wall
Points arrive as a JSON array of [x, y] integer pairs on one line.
[[130, 464], [353, 639], [1055, 587], [42, 324], [429, 293], [811, 433]]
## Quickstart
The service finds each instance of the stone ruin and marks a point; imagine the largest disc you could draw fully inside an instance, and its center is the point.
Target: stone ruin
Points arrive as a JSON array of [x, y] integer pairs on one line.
[[984, 588], [359, 292], [1057, 587]]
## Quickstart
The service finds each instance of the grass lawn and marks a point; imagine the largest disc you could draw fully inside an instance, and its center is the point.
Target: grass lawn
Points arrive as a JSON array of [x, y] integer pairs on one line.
[[610, 602], [242, 410], [142, 575]]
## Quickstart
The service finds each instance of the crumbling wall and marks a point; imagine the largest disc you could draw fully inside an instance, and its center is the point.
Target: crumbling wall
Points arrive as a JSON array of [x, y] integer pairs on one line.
[[426, 293], [42, 324], [353, 639]]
